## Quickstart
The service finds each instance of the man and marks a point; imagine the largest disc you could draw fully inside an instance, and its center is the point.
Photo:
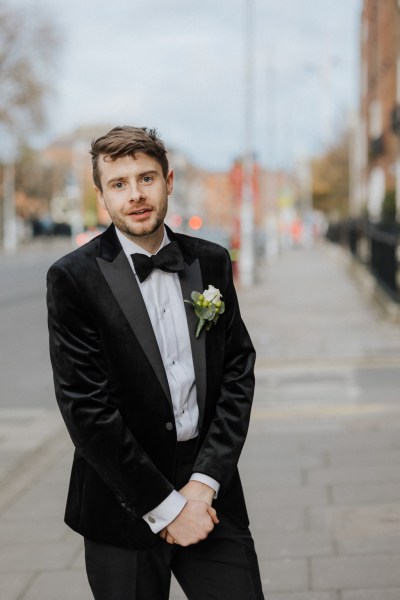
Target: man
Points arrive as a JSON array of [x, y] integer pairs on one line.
[[157, 411]]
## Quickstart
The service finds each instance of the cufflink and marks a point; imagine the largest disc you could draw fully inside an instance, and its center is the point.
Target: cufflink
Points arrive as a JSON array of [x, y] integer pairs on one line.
[[151, 519]]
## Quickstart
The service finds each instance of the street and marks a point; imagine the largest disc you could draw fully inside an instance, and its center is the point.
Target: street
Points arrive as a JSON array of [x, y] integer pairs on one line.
[[321, 467]]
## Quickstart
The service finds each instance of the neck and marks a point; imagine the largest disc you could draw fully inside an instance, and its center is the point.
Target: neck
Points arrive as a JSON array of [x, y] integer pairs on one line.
[[150, 243]]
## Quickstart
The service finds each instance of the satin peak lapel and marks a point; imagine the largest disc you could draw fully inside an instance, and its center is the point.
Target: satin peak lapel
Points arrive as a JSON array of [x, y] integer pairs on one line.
[[191, 280], [123, 284]]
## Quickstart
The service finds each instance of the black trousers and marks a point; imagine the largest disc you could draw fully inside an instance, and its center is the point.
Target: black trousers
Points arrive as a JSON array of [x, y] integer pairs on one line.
[[222, 567]]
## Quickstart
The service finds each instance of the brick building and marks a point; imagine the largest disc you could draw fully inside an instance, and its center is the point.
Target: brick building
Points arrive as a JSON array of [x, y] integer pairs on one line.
[[376, 150]]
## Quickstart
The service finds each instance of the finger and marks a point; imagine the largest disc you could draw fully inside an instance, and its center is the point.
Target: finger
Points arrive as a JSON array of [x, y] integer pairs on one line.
[[163, 533], [169, 539], [213, 514]]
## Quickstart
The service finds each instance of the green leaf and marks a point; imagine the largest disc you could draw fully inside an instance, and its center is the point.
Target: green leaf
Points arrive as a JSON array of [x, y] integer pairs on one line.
[[195, 296], [203, 312]]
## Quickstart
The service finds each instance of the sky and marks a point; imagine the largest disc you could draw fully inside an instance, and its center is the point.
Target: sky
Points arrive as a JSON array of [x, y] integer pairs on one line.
[[179, 65]]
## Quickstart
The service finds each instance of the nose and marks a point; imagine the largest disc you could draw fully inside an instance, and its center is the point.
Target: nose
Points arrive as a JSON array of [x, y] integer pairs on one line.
[[136, 193]]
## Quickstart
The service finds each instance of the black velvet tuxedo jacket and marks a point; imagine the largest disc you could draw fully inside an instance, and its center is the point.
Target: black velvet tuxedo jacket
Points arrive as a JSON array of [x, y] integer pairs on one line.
[[113, 392]]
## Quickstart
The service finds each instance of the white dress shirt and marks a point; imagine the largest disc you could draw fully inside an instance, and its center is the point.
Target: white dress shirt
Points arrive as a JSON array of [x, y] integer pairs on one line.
[[162, 296]]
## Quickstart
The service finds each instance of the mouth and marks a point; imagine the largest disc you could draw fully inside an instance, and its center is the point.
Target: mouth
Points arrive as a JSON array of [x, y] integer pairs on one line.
[[140, 212]]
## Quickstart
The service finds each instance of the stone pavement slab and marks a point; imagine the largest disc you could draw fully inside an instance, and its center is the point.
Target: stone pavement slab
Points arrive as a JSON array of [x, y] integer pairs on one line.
[[60, 585], [372, 594], [347, 572], [12, 585], [284, 575], [304, 596]]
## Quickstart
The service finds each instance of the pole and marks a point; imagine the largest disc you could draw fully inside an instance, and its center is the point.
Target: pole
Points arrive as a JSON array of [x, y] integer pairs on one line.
[[246, 255], [10, 233]]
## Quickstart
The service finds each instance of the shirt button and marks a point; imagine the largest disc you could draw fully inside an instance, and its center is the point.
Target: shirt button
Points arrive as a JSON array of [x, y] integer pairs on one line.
[[169, 426]]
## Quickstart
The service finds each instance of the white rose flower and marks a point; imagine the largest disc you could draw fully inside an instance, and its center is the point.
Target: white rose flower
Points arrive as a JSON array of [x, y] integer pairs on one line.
[[212, 294]]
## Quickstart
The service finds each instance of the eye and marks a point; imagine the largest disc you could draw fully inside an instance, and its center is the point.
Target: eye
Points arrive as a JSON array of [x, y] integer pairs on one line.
[[147, 179], [118, 185]]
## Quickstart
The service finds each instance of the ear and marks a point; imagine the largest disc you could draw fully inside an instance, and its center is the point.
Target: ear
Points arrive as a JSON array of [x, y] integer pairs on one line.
[[170, 182], [100, 197]]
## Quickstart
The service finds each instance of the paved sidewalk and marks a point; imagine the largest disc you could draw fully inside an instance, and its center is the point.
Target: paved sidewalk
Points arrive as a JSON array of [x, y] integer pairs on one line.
[[321, 465]]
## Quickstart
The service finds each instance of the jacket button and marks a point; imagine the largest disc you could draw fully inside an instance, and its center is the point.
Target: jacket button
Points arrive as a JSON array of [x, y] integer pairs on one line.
[[169, 426]]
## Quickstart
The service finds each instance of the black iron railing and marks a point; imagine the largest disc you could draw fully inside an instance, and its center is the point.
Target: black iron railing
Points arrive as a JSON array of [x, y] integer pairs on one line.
[[376, 245]]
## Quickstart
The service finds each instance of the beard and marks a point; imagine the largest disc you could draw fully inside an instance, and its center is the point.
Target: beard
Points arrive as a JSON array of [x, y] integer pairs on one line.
[[139, 229]]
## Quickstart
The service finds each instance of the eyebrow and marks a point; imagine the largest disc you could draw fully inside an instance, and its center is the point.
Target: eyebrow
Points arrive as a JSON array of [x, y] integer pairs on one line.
[[125, 177]]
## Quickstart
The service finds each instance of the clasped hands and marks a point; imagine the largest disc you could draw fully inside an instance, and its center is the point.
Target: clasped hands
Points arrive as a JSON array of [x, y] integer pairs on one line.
[[197, 518]]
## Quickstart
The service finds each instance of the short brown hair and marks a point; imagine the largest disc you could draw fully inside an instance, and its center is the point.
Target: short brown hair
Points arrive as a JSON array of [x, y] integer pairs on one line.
[[127, 141]]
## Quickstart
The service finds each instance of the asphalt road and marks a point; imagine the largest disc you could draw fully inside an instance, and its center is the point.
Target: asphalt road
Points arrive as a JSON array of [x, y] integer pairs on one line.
[[24, 358]]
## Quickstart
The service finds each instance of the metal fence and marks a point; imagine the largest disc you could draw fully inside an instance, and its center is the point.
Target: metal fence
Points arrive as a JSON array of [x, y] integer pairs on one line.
[[376, 245]]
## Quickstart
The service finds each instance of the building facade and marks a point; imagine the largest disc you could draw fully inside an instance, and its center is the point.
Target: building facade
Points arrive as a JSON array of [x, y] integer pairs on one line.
[[375, 149]]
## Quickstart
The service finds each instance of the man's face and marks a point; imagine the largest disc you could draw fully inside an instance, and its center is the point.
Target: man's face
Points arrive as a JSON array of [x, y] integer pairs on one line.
[[135, 194]]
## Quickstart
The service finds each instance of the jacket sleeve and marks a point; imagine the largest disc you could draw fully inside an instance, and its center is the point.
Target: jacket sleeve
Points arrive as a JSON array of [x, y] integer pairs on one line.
[[82, 391], [223, 443]]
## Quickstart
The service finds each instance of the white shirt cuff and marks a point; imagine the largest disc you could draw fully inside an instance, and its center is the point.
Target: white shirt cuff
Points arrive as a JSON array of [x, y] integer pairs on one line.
[[212, 483], [163, 514]]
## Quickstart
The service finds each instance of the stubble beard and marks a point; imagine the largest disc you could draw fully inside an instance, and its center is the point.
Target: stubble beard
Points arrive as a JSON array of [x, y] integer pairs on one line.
[[140, 230]]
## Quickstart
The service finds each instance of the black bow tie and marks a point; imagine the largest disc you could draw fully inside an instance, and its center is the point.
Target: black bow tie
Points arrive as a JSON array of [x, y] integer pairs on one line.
[[168, 259]]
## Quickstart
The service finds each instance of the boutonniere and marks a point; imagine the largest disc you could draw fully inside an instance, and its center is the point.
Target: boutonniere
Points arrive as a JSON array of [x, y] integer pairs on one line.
[[208, 306]]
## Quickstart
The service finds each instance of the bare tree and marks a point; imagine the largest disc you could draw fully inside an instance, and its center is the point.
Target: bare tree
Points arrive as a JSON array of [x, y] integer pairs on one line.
[[28, 46]]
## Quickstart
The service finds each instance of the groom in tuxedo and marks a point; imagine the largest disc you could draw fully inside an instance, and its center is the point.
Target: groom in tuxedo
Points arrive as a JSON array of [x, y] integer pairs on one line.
[[157, 411]]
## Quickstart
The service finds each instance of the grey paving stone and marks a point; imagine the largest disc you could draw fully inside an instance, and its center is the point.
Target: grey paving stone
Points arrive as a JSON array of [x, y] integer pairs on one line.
[[356, 572], [300, 496], [365, 457], [381, 594], [265, 479], [43, 501], [269, 519], [353, 441], [379, 544], [49, 507], [366, 493], [12, 585], [293, 544], [60, 585], [284, 575], [9, 460], [304, 596], [79, 560], [18, 558], [176, 592], [355, 475], [278, 461], [357, 520], [26, 532], [361, 529]]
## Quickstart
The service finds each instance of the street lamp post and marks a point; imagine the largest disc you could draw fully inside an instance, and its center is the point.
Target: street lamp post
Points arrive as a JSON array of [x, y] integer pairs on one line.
[[246, 255], [10, 233], [8, 154]]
